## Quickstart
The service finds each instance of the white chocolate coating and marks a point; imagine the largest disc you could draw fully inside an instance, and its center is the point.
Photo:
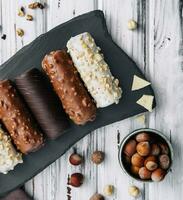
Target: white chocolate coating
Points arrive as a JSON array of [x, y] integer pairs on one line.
[[9, 158], [94, 71]]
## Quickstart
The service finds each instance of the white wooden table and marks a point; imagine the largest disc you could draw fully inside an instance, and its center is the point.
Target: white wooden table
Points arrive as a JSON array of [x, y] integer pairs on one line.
[[157, 48]]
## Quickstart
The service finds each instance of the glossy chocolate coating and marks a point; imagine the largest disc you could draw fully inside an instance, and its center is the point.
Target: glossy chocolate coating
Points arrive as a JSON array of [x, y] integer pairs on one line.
[[43, 102], [69, 87], [17, 119]]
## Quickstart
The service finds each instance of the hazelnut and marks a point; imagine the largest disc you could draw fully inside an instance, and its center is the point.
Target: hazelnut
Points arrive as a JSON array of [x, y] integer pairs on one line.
[[155, 150], [142, 137], [130, 148], [137, 160], [76, 180], [143, 148], [158, 175], [134, 191], [164, 161], [164, 148], [135, 170], [97, 157], [151, 163], [144, 173], [21, 12], [97, 197], [108, 190], [132, 24], [75, 159]]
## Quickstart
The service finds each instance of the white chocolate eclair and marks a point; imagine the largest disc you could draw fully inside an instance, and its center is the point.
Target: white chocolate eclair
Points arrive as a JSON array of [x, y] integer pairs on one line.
[[94, 71], [9, 158]]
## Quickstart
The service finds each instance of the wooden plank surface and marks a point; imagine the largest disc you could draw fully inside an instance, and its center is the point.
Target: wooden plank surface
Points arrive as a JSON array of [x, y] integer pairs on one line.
[[156, 46]]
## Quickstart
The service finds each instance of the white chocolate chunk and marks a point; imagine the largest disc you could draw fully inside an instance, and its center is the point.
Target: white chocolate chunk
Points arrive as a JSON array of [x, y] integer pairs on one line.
[[146, 101], [139, 83], [9, 158], [94, 71]]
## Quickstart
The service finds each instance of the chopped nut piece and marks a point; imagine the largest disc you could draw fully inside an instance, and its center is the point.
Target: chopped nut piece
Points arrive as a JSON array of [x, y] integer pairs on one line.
[[29, 17], [132, 24], [36, 5], [20, 32], [21, 12]]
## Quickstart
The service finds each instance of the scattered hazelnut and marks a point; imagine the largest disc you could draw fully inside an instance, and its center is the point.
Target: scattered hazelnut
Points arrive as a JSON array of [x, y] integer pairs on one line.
[[75, 159], [29, 17], [144, 173], [151, 163], [158, 175], [134, 191], [137, 160], [132, 24], [135, 170], [97, 157], [20, 32], [164, 148], [97, 197], [164, 161], [143, 148], [108, 190], [155, 150], [130, 148], [142, 137], [76, 179], [21, 12]]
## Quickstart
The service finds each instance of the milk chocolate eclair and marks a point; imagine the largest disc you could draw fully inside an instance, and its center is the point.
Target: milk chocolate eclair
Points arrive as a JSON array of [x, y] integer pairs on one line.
[[43, 102], [67, 84], [17, 119]]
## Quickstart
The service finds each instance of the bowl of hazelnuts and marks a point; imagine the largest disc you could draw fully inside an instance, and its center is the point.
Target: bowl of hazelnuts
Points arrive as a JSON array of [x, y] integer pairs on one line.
[[146, 155]]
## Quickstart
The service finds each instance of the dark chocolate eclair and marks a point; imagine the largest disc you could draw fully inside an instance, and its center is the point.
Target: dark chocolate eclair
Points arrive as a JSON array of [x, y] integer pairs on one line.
[[67, 84], [43, 102], [17, 119]]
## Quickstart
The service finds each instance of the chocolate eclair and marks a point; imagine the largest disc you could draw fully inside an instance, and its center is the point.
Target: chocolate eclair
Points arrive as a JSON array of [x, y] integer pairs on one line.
[[67, 84], [18, 120], [43, 102]]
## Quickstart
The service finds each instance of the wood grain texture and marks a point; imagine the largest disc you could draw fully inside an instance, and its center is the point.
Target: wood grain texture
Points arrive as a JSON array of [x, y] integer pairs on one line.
[[156, 46]]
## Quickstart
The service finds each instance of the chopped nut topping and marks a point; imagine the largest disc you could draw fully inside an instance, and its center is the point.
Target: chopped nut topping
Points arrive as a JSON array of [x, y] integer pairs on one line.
[[36, 5], [20, 32], [29, 17], [21, 12]]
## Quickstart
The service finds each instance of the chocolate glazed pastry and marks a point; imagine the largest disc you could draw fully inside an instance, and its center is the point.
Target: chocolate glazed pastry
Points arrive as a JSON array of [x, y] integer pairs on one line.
[[18, 120], [68, 86], [43, 102]]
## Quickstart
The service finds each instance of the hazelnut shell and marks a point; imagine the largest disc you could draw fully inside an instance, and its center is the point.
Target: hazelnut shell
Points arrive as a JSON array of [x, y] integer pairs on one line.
[[164, 148], [135, 170], [158, 175], [130, 148], [164, 161], [144, 173], [97, 157], [143, 137], [155, 150], [143, 148], [151, 163], [137, 160], [97, 197], [75, 159], [76, 180]]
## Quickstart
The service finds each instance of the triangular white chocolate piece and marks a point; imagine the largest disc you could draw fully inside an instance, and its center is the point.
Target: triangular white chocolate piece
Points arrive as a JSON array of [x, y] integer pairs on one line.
[[139, 83], [146, 101]]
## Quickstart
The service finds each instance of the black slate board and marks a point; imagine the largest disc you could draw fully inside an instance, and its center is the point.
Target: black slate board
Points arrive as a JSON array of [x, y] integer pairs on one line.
[[121, 66]]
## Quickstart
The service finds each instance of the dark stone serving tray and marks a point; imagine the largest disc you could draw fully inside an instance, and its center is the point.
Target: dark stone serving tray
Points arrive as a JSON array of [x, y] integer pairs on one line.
[[121, 66]]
